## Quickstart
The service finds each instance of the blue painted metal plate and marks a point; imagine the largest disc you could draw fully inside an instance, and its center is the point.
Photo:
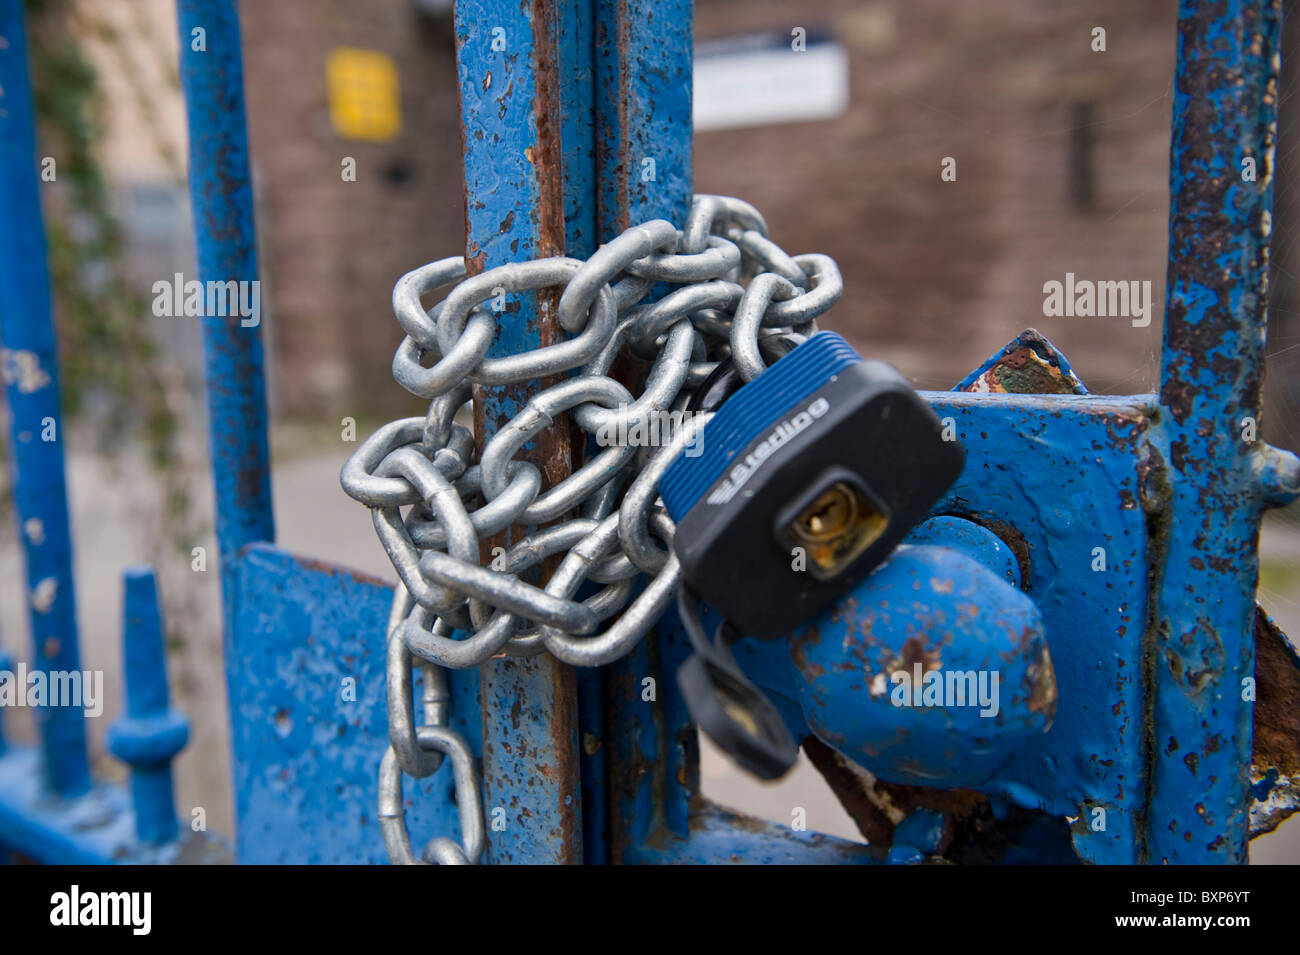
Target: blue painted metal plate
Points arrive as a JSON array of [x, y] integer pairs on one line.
[[1082, 492], [306, 756]]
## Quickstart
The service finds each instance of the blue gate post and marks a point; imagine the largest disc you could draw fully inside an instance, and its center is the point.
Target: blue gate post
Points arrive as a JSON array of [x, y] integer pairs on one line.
[[525, 78], [221, 197], [1225, 112], [644, 65], [31, 376]]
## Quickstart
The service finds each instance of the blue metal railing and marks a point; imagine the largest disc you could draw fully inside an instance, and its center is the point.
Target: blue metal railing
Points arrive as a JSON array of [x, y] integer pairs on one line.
[[31, 370], [50, 808], [221, 198], [586, 129]]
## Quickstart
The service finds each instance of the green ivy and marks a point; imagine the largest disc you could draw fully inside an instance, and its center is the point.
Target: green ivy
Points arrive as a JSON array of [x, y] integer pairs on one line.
[[111, 364]]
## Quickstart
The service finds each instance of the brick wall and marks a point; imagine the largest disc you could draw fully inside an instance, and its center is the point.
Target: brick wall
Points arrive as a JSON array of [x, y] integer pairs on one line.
[[938, 274], [331, 250]]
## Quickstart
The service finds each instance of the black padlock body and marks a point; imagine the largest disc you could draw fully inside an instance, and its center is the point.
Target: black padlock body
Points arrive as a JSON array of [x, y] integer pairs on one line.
[[877, 433]]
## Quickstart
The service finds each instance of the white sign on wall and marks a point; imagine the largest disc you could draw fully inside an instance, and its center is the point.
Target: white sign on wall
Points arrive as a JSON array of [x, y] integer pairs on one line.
[[764, 80]]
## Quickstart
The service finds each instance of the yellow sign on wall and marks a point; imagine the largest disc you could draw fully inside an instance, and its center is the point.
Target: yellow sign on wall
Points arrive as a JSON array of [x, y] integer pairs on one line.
[[364, 96]]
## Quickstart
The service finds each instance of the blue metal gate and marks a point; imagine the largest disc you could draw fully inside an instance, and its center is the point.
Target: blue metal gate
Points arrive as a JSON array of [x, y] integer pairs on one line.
[[1152, 658]]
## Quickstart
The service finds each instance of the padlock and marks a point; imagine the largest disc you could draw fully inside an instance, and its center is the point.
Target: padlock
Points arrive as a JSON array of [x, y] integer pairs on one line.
[[722, 701], [802, 483]]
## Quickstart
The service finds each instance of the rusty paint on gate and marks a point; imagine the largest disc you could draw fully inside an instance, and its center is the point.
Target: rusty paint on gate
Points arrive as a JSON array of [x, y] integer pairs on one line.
[[1225, 110], [514, 101]]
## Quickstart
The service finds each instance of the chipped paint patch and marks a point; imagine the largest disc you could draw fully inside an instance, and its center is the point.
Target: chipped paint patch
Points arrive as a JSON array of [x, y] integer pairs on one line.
[[43, 595], [1274, 798], [1028, 365], [22, 369]]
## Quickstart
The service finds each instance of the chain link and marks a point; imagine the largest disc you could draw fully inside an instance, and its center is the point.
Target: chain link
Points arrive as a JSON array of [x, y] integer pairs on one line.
[[434, 502]]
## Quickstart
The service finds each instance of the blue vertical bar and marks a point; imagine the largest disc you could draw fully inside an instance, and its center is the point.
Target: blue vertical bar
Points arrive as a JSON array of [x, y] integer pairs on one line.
[[573, 38], [1224, 112], [221, 197], [31, 373], [221, 200], [643, 63], [525, 109]]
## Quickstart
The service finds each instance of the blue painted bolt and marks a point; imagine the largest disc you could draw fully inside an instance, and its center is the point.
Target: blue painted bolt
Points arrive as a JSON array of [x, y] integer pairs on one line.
[[151, 732]]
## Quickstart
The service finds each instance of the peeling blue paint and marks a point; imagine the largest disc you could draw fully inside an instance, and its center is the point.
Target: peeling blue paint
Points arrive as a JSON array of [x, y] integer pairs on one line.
[[525, 111], [1225, 109], [307, 744]]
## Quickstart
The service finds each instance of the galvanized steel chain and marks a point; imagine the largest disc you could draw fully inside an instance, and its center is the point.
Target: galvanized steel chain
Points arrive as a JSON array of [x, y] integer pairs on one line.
[[434, 501]]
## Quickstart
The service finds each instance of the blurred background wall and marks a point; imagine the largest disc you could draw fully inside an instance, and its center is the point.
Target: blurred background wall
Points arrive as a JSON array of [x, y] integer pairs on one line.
[[1061, 159]]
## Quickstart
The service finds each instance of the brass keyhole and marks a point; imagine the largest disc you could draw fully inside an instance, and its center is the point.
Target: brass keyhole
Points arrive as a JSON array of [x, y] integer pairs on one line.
[[828, 516], [836, 527]]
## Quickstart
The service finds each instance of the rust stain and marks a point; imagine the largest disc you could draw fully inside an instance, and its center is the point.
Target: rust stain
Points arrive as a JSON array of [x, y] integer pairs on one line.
[[564, 739], [551, 451], [334, 570], [1032, 367], [1277, 700], [612, 153], [876, 806]]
